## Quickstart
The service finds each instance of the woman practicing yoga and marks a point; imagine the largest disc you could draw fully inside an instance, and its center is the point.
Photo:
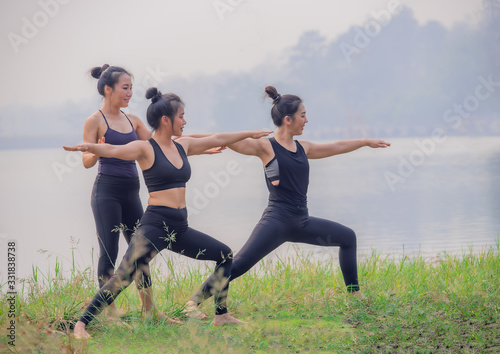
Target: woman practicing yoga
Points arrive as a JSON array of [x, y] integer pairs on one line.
[[164, 224], [286, 169]]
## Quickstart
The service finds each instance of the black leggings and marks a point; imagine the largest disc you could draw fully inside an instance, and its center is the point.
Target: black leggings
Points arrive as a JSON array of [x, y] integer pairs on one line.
[[117, 207], [282, 222], [163, 227]]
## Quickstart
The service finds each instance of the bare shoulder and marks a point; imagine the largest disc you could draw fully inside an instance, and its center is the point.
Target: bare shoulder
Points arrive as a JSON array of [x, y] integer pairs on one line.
[[184, 141], [92, 125], [264, 144], [144, 146], [94, 119], [305, 144], [133, 117]]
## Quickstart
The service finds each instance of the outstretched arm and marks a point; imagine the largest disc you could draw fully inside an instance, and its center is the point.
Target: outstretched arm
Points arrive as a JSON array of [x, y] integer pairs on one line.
[[194, 146], [134, 150], [319, 151], [248, 146], [194, 136], [215, 150]]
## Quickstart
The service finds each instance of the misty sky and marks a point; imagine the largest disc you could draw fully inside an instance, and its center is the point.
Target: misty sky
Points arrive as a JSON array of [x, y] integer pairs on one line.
[[181, 38]]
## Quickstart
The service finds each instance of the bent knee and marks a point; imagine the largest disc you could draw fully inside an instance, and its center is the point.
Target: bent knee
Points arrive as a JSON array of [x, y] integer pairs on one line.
[[350, 237]]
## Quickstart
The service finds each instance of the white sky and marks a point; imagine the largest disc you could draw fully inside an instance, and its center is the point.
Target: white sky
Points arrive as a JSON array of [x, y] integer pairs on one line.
[[181, 37]]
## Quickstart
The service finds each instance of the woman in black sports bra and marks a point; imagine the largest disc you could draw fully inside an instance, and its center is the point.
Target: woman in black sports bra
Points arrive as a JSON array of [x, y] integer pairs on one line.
[[286, 167], [164, 224]]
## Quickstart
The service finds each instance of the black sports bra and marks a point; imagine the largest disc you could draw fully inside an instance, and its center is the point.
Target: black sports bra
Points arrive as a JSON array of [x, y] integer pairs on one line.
[[163, 174]]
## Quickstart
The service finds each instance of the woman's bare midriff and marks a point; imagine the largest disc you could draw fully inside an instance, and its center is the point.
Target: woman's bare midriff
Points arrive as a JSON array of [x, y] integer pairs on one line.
[[172, 198]]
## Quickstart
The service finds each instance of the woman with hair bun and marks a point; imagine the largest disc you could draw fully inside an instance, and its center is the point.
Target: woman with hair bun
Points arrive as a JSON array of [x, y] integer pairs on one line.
[[166, 170], [115, 196], [286, 167]]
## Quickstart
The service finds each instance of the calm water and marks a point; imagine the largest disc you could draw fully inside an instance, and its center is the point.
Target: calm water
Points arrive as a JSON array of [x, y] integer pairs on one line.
[[449, 202]]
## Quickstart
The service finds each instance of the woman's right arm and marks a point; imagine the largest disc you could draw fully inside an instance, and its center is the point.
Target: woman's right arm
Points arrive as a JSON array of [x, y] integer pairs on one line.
[[255, 147], [90, 135], [195, 146], [248, 146], [135, 150]]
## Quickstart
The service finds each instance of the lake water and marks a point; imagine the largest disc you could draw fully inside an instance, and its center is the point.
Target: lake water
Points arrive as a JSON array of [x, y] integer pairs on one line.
[[446, 199]]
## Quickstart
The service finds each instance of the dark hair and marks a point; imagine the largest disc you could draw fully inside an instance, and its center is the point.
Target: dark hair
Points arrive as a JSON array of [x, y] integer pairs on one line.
[[161, 105], [107, 76], [286, 105]]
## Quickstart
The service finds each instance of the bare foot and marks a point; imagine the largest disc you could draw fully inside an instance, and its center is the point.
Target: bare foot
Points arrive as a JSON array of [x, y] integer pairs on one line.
[[79, 332], [191, 311], [227, 319], [358, 295], [173, 320]]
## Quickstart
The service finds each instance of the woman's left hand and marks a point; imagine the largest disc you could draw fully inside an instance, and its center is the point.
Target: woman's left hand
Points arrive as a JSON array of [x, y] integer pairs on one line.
[[100, 141], [378, 143], [84, 147], [215, 150]]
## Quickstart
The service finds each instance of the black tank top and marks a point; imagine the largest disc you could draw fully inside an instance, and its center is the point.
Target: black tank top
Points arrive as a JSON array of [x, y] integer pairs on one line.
[[117, 167], [163, 174], [291, 169]]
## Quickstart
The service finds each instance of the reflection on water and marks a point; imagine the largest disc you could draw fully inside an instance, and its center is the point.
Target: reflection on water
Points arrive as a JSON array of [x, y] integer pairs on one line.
[[448, 204]]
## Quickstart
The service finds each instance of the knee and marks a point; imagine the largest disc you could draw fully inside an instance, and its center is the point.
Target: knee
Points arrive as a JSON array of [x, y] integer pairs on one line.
[[350, 237]]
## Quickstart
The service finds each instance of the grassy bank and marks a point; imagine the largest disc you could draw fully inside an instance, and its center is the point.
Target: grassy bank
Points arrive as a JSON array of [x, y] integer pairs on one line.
[[413, 304]]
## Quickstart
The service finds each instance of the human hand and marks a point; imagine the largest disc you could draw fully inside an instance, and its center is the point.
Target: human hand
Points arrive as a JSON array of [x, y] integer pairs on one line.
[[80, 147], [260, 133], [215, 150], [100, 141], [378, 143]]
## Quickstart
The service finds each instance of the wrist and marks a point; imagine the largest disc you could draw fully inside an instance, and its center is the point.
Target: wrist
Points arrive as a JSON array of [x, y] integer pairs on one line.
[[91, 149]]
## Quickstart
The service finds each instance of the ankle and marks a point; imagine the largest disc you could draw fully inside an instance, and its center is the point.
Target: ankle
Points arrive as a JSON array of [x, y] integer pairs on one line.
[[80, 326]]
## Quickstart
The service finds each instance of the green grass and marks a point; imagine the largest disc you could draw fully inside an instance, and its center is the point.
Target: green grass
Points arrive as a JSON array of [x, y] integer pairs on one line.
[[413, 304]]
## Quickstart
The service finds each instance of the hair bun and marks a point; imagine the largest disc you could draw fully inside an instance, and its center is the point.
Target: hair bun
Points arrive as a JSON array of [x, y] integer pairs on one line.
[[273, 93], [97, 71], [154, 94]]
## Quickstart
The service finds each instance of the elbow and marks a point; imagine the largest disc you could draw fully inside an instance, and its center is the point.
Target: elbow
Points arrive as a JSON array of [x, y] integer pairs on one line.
[[89, 162], [217, 140]]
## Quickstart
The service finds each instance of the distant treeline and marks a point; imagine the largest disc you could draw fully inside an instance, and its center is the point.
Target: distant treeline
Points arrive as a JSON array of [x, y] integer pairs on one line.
[[389, 77]]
